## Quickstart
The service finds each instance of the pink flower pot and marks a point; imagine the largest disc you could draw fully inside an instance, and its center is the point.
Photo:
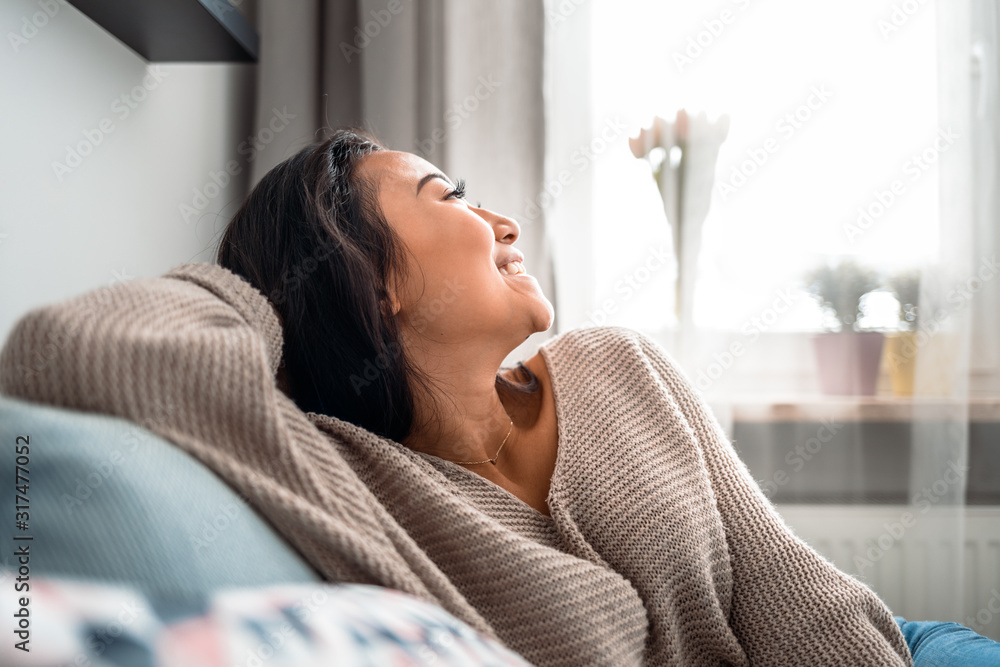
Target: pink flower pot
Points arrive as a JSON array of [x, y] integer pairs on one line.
[[848, 362]]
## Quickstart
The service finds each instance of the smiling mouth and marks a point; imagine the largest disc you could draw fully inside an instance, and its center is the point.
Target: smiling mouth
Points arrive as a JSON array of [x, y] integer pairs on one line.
[[514, 268]]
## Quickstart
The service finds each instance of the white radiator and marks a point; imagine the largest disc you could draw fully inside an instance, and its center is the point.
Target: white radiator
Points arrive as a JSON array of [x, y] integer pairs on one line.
[[909, 558]]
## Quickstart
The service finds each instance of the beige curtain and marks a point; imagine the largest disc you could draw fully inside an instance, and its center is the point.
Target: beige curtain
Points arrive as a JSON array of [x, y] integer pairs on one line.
[[457, 82]]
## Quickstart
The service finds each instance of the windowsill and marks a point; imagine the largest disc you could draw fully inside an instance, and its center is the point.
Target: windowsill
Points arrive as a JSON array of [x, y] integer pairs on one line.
[[862, 449]]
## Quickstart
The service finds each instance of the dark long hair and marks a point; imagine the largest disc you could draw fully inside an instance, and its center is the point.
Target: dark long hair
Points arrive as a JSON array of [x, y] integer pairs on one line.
[[311, 236]]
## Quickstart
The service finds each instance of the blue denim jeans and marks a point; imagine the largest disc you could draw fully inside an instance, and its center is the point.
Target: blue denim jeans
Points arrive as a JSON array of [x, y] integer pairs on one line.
[[936, 644]]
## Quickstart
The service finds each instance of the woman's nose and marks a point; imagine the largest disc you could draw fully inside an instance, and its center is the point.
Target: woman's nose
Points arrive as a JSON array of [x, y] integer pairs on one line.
[[506, 229]]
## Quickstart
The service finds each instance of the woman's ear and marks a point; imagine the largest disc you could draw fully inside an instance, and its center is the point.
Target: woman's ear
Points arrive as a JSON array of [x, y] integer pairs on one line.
[[389, 301]]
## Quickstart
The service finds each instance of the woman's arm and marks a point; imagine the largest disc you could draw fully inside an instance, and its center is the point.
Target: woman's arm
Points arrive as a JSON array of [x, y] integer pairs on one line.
[[790, 606], [192, 356]]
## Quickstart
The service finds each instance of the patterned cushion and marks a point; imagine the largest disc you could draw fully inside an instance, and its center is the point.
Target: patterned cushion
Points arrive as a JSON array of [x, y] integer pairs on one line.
[[285, 625]]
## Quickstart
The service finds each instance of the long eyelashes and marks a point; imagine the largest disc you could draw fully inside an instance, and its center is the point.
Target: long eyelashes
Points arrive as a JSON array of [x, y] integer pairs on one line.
[[459, 191]]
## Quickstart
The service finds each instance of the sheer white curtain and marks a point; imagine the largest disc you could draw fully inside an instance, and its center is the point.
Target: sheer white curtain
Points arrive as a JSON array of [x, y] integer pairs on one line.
[[862, 131]]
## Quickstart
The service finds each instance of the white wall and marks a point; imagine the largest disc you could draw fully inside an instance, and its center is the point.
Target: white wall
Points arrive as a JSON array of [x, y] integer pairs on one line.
[[117, 214]]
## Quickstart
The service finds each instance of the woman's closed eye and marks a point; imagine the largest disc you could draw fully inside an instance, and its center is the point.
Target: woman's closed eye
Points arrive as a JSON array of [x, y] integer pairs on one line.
[[459, 191]]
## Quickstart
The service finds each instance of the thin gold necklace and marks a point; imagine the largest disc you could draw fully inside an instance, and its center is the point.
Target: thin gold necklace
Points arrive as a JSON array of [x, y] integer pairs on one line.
[[494, 459]]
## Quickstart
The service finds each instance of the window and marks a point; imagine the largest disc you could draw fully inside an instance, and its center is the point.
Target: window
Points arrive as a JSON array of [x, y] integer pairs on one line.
[[831, 150]]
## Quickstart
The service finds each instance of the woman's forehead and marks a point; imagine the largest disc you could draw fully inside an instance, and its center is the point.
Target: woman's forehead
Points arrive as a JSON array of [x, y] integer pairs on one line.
[[395, 168]]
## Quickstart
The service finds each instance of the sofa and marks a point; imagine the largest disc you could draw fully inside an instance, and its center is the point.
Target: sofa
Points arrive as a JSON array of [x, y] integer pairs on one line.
[[114, 510]]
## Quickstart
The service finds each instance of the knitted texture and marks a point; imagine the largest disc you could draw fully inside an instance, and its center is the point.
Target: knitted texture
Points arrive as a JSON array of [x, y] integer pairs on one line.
[[660, 548]]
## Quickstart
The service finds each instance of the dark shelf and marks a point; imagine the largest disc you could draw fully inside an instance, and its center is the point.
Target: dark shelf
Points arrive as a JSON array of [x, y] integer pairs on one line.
[[176, 30]]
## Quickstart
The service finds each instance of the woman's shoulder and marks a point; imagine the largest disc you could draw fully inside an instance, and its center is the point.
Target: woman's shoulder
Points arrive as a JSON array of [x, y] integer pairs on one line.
[[606, 350], [610, 340]]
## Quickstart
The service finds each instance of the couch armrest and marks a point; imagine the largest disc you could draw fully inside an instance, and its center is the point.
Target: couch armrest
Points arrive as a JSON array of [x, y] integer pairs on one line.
[[110, 501]]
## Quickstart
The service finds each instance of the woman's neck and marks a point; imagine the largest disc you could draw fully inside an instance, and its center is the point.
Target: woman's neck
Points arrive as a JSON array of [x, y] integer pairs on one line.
[[461, 416], [460, 434]]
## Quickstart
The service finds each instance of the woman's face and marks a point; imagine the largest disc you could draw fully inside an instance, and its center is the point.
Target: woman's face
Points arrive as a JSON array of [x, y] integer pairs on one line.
[[464, 278]]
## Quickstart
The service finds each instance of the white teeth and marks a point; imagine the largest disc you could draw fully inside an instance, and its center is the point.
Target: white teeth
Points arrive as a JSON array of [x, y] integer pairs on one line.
[[512, 269]]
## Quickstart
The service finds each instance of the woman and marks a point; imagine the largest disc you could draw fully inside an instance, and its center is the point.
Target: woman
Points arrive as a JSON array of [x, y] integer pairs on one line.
[[399, 301], [433, 285]]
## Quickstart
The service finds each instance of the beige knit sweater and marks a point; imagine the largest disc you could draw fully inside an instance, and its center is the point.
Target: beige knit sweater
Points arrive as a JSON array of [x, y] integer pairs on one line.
[[661, 549]]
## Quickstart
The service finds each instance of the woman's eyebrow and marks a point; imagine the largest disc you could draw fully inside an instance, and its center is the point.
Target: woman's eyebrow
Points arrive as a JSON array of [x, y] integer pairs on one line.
[[430, 177]]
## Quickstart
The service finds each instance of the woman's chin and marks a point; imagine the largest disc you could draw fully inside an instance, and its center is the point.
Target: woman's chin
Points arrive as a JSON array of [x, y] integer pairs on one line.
[[545, 317]]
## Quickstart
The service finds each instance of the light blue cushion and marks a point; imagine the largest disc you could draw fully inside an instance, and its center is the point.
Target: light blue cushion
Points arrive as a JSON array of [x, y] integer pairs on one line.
[[110, 501]]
